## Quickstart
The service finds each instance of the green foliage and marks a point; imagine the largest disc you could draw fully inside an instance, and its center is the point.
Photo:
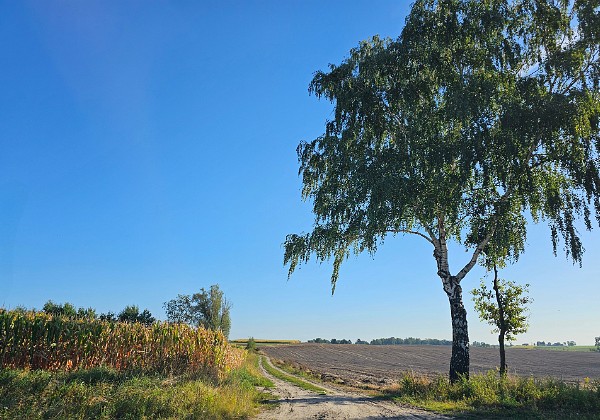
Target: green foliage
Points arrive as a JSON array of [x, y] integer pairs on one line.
[[479, 114], [491, 396], [476, 114], [132, 314], [251, 344], [597, 343], [103, 393], [67, 310], [209, 309], [411, 341], [109, 317], [332, 341], [514, 300]]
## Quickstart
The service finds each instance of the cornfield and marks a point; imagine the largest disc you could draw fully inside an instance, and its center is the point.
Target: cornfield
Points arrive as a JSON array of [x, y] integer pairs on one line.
[[36, 340]]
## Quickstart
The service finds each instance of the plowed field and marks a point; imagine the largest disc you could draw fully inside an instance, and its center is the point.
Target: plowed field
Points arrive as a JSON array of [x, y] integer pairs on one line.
[[366, 364]]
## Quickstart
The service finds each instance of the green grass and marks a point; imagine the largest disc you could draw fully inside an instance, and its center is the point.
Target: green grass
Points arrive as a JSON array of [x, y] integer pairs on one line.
[[489, 396], [104, 393], [289, 378]]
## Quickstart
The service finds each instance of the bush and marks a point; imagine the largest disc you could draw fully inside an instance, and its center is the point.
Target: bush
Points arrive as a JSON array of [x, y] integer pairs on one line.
[[251, 344]]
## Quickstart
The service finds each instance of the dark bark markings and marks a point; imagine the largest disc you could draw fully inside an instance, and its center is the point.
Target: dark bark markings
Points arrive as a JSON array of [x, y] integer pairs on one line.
[[502, 326]]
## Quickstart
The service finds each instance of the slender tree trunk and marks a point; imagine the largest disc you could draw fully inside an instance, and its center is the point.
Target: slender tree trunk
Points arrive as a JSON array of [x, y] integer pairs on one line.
[[459, 362], [502, 323], [502, 353]]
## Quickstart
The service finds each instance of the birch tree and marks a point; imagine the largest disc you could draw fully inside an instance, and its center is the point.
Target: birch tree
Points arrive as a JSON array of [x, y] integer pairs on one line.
[[479, 117]]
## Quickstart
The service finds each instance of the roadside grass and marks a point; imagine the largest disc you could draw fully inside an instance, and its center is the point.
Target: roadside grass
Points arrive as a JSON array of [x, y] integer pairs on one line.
[[104, 393], [289, 378], [489, 396]]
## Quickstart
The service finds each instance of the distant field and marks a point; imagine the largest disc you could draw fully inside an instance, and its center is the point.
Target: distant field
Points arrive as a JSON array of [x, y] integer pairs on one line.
[[264, 342], [557, 348], [358, 364]]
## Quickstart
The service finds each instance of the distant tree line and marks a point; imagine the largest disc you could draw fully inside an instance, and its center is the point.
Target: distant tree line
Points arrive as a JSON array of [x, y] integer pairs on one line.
[[332, 341], [556, 344], [411, 341], [387, 341], [433, 342], [130, 313]]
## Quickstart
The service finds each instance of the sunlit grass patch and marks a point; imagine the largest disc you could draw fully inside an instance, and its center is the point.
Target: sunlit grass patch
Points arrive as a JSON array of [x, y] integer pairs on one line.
[[105, 393], [493, 397]]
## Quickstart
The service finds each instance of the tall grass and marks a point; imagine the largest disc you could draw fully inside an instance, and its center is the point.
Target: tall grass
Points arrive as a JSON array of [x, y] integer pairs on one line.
[[105, 393], [36, 340], [509, 396]]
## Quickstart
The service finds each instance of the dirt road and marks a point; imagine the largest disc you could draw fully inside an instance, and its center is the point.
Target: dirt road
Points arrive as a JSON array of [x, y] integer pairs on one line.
[[297, 403]]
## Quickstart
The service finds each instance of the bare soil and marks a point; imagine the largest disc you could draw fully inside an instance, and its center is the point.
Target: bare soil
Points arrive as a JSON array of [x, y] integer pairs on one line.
[[360, 365], [297, 403]]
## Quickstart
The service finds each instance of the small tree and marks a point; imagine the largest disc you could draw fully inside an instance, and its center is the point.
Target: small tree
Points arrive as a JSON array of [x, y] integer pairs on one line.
[[209, 309], [504, 307], [597, 343], [251, 344]]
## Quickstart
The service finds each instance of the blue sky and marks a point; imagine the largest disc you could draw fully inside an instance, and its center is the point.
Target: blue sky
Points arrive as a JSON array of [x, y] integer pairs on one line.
[[147, 149]]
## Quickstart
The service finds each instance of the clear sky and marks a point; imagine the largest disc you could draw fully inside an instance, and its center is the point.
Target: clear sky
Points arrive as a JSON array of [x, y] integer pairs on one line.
[[147, 149]]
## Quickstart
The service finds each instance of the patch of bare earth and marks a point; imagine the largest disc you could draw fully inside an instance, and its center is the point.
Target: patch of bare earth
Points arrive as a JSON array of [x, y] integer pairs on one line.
[[297, 403], [374, 366]]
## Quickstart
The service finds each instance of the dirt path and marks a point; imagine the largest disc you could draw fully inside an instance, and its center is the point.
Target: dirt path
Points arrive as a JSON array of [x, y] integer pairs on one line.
[[297, 403]]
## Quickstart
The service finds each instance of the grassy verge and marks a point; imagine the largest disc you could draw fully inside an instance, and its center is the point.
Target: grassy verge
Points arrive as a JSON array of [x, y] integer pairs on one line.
[[104, 393], [289, 378], [488, 396]]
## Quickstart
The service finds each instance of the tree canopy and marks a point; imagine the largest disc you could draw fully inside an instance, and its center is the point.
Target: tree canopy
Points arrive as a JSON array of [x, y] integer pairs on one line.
[[505, 307], [480, 116], [132, 314], [68, 310], [209, 309], [513, 304]]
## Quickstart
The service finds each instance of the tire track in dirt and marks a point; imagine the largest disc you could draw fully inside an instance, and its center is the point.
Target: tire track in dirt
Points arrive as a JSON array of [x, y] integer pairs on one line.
[[295, 403]]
